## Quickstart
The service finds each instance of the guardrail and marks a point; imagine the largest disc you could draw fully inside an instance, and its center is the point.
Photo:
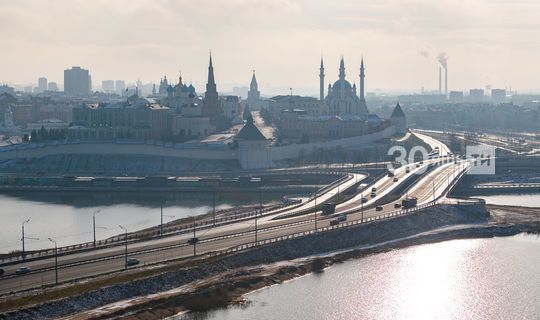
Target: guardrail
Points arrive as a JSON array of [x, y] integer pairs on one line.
[[141, 235], [249, 245], [168, 230]]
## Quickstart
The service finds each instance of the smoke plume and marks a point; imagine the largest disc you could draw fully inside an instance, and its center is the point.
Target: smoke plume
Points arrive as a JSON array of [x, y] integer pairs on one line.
[[443, 59]]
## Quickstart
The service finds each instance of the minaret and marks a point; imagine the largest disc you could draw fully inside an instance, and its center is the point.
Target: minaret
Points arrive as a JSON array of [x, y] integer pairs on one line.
[[362, 76], [321, 81], [342, 69]]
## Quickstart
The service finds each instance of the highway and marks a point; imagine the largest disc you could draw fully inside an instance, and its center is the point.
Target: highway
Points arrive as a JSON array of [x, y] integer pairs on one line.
[[434, 143], [75, 266]]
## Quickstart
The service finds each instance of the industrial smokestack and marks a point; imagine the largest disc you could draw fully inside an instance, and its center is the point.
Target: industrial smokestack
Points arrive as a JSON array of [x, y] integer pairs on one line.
[[443, 61], [446, 81], [440, 81]]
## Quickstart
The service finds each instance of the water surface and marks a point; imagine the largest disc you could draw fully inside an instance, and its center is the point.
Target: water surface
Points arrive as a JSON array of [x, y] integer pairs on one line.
[[461, 279]]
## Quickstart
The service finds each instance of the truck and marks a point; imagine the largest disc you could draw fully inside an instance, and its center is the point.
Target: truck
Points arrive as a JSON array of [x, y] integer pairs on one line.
[[328, 208], [409, 202]]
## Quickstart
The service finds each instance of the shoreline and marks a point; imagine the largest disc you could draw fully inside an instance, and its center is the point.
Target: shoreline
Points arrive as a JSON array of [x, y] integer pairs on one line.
[[223, 283], [230, 288]]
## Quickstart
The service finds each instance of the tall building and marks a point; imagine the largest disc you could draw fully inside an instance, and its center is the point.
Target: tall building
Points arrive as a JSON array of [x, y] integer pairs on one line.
[[107, 86], [77, 82], [456, 96], [120, 86], [498, 95], [42, 84], [52, 86], [476, 95]]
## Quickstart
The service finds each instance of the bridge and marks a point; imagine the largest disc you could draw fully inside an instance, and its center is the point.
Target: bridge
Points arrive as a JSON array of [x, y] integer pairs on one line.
[[436, 177]]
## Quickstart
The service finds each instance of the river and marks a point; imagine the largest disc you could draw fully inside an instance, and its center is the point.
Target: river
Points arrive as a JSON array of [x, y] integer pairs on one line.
[[67, 217], [524, 200], [494, 278]]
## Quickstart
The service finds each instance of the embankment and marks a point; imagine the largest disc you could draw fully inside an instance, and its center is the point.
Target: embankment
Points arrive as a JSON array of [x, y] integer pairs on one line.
[[200, 278]]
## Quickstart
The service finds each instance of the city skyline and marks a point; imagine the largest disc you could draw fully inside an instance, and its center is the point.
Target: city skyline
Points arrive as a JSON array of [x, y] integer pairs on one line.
[[399, 40]]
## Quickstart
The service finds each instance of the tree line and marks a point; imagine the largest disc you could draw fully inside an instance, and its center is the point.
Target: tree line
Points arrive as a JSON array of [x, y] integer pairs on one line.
[[43, 134]]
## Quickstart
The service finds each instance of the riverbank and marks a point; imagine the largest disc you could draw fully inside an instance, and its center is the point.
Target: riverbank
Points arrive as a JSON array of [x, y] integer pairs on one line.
[[220, 282]]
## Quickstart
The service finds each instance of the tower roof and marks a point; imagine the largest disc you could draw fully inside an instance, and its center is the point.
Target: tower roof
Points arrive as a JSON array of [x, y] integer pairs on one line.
[[250, 131], [398, 112], [211, 72], [342, 68], [253, 81]]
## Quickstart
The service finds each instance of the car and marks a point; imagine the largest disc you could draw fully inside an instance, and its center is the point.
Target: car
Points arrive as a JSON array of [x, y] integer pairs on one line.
[[342, 217], [334, 222], [421, 162], [373, 194], [397, 205], [132, 262], [378, 208], [418, 165], [396, 179], [1, 272], [22, 270], [407, 170], [364, 200], [373, 189]]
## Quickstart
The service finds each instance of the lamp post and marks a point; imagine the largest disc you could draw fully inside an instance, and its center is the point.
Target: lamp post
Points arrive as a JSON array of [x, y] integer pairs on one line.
[[194, 240], [125, 246], [362, 208], [161, 223], [315, 211], [22, 238], [94, 224], [55, 260], [214, 208]]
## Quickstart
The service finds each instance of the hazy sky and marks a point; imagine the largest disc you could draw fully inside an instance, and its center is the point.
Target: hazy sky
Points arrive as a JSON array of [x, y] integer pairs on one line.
[[487, 41]]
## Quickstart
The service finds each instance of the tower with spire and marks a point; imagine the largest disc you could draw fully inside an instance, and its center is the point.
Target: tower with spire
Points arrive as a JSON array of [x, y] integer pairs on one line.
[[321, 81], [210, 96], [254, 95]]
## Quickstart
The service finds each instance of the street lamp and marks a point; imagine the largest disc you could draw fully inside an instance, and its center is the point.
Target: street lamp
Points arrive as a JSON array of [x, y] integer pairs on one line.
[[193, 241], [161, 224], [125, 246], [362, 208], [24, 237], [55, 260], [94, 225]]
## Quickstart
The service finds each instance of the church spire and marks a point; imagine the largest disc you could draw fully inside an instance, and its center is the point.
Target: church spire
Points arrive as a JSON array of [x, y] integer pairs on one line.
[[342, 69]]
